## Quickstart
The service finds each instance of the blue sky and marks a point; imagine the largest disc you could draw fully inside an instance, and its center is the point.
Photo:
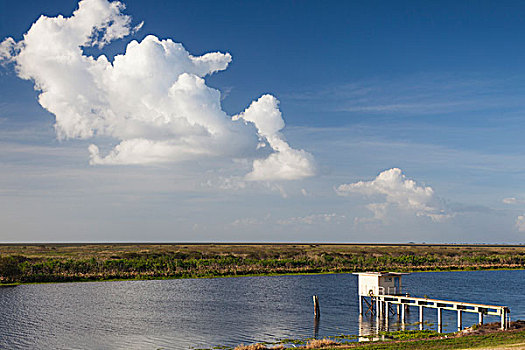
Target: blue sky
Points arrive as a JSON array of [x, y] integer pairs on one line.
[[402, 122]]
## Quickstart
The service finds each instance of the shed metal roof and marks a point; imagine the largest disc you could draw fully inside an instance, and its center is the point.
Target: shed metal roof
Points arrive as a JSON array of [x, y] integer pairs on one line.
[[384, 273]]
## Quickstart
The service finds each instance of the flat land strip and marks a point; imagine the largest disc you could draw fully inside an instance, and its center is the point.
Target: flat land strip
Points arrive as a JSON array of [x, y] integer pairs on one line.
[[499, 340], [30, 263]]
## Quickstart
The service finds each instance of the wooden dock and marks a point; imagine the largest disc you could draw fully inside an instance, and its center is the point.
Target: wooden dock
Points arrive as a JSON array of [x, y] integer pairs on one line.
[[380, 306]]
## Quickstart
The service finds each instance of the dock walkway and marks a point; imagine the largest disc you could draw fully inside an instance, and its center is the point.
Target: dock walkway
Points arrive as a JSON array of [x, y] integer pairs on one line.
[[383, 302]]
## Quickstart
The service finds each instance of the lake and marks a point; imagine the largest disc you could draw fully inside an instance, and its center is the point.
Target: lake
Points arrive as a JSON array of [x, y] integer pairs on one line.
[[202, 313]]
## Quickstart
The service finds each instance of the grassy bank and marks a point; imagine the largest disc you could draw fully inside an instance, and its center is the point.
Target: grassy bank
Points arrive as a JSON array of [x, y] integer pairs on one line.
[[487, 341], [485, 337], [33, 263]]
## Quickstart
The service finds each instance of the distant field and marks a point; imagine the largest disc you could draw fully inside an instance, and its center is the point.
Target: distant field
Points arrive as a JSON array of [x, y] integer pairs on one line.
[[82, 262]]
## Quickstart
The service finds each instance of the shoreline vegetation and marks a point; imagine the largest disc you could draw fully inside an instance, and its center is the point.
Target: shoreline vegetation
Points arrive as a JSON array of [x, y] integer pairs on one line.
[[40, 263], [482, 337]]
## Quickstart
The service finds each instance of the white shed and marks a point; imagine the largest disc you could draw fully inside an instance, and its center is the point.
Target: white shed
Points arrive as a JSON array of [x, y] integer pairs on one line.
[[379, 283]]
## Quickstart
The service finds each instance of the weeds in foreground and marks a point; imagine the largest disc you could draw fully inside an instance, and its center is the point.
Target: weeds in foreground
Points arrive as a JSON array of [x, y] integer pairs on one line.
[[258, 346], [311, 344], [320, 343]]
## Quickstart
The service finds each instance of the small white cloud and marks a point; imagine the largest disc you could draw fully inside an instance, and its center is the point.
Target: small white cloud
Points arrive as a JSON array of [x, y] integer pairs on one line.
[[137, 27], [277, 188], [8, 49], [246, 222], [227, 183], [520, 223], [397, 192], [512, 200], [311, 219]]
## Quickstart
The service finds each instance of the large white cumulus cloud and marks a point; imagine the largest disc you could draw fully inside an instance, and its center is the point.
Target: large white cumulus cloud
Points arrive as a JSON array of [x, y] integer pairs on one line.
[[397, 192], [152, 99]]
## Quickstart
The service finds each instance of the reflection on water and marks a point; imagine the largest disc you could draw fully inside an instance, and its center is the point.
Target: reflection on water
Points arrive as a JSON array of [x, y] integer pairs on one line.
[[369, 327], [317, 322], [179, 314]]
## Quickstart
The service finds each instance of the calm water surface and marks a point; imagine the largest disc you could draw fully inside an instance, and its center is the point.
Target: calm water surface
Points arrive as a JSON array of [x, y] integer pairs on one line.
[[197, 313]]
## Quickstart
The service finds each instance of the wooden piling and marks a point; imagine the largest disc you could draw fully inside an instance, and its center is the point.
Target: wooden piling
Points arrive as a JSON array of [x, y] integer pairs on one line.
[[460, 320], [317, 310]]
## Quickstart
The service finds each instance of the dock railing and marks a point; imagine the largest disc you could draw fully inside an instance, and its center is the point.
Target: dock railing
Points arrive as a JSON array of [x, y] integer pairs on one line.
[[384, 300], [381, 290]]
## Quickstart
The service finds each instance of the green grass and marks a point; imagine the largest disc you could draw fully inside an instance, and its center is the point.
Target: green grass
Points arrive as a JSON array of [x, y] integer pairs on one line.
[[466, 342], [411, 334]]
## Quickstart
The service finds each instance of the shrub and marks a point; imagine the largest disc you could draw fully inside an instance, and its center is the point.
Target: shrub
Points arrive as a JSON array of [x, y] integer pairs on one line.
[[9, 268], [320, 343]]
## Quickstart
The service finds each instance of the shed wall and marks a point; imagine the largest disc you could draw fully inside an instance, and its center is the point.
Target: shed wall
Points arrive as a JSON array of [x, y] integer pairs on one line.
[[379, 284]]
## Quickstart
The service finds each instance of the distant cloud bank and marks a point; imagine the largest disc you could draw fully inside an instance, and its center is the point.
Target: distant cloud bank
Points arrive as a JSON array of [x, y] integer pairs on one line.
[[152, 99]]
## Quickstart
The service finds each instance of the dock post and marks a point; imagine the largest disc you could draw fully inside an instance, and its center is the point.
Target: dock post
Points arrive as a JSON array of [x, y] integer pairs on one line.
[[460, 320], [398, 308], [403, 314], [480, 318], [378, 308], [503, 319], [387, 311], [440, 320], [360, 305], [420, 317], [317, 311]]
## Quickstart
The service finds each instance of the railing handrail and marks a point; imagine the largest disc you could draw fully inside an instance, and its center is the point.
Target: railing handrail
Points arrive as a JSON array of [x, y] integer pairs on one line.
[[439, 301]]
